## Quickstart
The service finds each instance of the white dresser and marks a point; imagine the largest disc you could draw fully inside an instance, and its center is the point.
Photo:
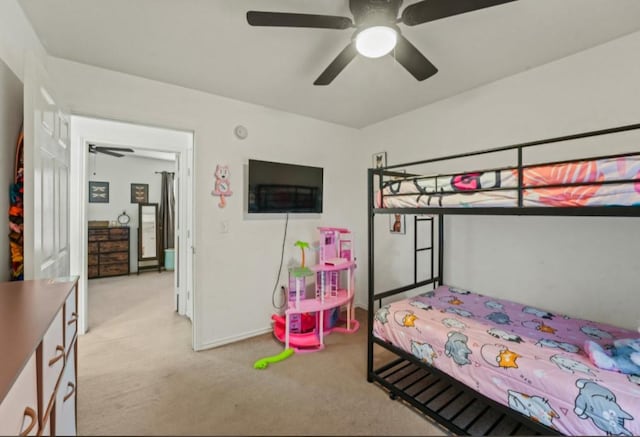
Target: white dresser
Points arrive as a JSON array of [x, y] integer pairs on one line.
[[38, 357]]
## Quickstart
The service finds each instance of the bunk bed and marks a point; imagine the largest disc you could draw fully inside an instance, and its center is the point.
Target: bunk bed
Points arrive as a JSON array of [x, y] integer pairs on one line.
[[480, 365]]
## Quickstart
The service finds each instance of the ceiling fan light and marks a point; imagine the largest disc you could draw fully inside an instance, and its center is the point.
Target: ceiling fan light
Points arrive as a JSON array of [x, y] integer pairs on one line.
[[376, 41]]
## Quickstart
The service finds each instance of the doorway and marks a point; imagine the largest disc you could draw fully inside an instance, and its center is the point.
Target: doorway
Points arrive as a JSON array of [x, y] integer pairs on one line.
[[155, 149]]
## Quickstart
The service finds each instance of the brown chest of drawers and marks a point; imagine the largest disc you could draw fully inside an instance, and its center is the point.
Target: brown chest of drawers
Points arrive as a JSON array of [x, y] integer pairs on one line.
[[108, 252]]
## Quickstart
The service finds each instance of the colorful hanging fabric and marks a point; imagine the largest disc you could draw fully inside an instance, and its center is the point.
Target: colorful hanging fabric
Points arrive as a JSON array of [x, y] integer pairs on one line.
[[16, 214]]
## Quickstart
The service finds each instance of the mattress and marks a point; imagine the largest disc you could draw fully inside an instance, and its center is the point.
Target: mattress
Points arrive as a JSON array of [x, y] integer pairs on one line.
[[525, 358], [459, 190]]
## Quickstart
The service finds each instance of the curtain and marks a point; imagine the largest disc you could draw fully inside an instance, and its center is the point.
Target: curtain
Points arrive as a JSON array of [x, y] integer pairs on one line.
[[167, 214]]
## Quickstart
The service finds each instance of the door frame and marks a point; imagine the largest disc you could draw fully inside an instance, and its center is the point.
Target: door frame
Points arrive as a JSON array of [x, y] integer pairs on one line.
[[85, 130]]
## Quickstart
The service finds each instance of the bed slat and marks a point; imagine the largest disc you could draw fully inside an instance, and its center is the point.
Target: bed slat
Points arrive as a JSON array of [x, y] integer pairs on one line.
[[461, 410]]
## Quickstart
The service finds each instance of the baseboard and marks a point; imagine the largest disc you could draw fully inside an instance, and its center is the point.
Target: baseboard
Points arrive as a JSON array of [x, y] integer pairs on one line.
[[245, 335], [232, 339], [362, 306]]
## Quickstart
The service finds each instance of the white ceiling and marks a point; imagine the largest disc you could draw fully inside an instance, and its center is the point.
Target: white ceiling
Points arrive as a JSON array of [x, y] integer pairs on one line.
[[207, 45]]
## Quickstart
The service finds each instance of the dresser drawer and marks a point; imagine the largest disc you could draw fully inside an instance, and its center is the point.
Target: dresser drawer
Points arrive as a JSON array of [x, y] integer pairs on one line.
[[93, 260], [114, 269], [65, 423], [93, 247], [19, 409], [93, 271], [98, 234], [114, 246], [45, 431], [119, 234], [70, 320], [53, 358], [115, 257]]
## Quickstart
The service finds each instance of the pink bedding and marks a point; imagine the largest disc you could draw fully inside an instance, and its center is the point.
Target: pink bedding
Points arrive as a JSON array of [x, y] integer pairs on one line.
[[456, 190], [523, 357]]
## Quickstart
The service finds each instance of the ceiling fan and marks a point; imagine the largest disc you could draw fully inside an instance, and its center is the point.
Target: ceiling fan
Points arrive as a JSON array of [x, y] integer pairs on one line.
[[377, 32], [108, 150]]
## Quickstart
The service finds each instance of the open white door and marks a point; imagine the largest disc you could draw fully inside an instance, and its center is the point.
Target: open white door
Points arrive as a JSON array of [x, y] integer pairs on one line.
[[46, 178], [188, 262], [184, 237]]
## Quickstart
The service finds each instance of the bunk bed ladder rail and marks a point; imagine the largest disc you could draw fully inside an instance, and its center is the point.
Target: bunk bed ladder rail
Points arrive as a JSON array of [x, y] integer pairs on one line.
[[416, 250]]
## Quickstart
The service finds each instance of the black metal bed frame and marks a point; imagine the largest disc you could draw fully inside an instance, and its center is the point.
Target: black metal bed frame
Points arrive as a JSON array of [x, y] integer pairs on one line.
[[427, 388]]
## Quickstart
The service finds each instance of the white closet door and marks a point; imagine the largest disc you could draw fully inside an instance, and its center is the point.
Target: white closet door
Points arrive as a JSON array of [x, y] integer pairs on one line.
[[46, 166]]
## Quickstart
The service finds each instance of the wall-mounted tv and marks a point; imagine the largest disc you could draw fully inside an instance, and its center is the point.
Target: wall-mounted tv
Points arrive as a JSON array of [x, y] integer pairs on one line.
[[278, 187]]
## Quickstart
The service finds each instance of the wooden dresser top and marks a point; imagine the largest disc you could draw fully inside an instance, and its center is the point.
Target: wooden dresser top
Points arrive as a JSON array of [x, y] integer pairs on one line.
[[27, 309]]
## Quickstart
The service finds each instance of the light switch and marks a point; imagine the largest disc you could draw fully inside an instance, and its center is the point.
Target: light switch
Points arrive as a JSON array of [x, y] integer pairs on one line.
[[224, 226]]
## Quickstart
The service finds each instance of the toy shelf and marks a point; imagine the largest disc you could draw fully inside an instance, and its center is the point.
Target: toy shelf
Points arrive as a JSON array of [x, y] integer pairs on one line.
[[313, 305], [331, 267]]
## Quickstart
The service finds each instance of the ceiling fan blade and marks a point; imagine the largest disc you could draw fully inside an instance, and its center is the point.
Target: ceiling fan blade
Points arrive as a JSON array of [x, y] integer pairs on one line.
[[337, 65], [284, 19], [431, 10], [106, 152], [414, 61], [119, 149]]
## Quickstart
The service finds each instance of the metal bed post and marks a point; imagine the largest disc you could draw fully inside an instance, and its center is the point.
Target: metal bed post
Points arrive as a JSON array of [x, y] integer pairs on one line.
[[371, 303], [433, 245], [520, 177], [415, 249], [441, 249]]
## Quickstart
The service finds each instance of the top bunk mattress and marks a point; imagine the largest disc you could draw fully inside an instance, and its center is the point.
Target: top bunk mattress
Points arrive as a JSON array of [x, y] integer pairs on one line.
[[527, 359], [586, 183]]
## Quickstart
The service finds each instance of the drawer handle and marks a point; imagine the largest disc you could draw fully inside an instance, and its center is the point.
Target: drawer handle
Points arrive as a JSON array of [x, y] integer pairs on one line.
[[30, 413], [73, 390], [74, 318], [58, 357]]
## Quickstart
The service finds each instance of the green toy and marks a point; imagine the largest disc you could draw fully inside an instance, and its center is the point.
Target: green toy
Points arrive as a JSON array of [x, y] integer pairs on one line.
[[302, 245], [262, 363]]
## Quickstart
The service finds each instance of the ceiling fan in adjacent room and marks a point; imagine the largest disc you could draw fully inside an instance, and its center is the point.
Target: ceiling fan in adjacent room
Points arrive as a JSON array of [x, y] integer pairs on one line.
[[109, 150], [377, 32]]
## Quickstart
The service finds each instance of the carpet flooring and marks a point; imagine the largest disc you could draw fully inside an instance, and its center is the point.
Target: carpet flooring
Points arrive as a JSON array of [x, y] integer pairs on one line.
[[139, 376]]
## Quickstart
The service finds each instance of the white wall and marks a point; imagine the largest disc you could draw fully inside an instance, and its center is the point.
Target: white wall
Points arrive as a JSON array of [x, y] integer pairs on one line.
[[121, 173], [235, 271], [18, 40], [587, 267], [11, 92]]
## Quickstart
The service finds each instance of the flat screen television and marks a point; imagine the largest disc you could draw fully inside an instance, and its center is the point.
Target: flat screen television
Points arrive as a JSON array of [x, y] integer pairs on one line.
[[276, 187]]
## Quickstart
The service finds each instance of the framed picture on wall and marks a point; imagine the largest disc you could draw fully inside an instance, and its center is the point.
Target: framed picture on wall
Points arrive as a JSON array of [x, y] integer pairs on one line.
[[98, 192], [397, 224], [379, 159], [139, 193]]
